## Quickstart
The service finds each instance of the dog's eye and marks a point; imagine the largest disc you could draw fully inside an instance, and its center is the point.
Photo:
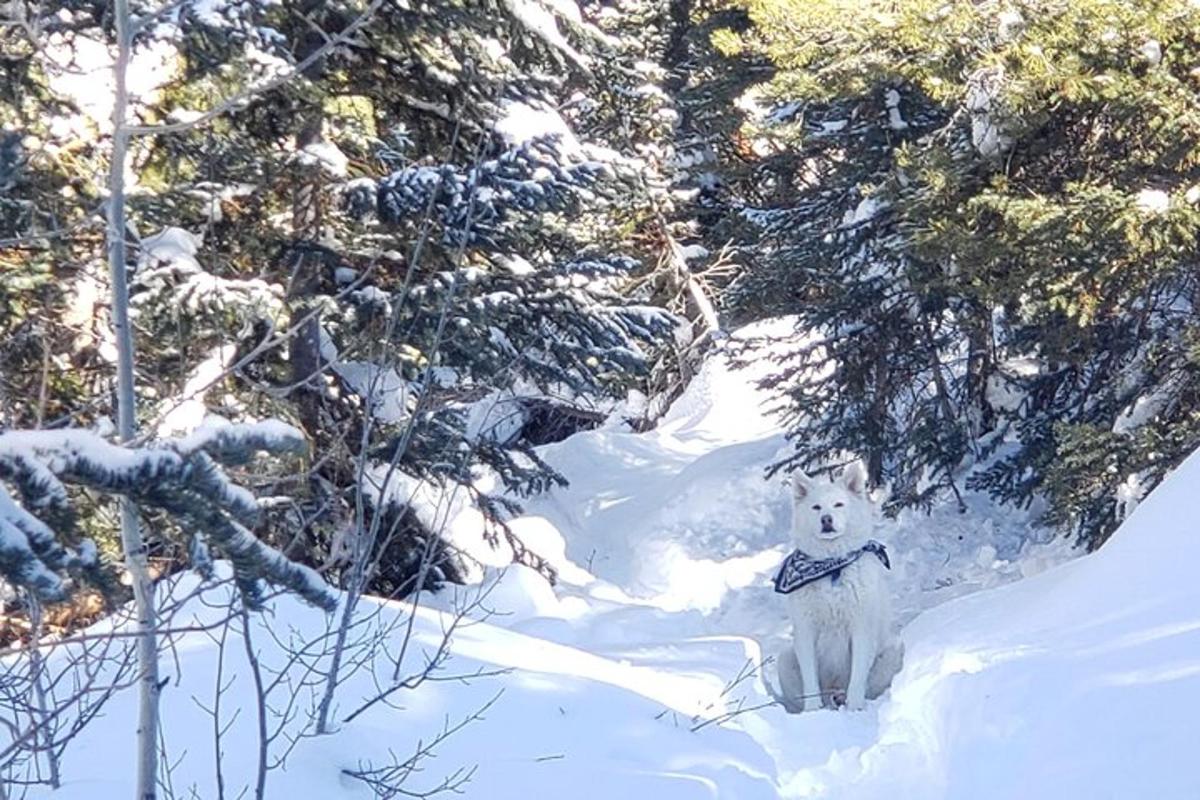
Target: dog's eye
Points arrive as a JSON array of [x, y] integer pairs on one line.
[[838, 505], [816, 508]]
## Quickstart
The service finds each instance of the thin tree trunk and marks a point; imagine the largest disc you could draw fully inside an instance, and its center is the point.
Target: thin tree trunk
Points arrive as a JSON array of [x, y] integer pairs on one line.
[[307, 217], [980, 365], [307, 221], [131, 536], [260, 696], [949, 415], [38, 689], [704, 304], [877, 424]]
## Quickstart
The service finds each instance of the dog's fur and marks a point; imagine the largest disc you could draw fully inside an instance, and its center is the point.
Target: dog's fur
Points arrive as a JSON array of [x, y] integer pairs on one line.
[[842, 642]]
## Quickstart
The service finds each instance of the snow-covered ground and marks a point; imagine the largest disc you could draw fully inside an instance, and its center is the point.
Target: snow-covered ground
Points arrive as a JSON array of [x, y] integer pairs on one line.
[[640, 674]]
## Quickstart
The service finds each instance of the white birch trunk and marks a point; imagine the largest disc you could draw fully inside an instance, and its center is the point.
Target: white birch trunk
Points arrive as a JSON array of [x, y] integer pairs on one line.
[[131, 537]]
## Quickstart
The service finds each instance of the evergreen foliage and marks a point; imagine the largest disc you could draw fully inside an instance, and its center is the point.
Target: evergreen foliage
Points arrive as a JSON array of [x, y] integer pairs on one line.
[[182, 476], [988, 211], [406, 211]]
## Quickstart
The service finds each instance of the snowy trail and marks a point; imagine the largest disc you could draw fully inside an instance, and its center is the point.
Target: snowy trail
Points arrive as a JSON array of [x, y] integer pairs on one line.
[[638, 674], [681, 521]]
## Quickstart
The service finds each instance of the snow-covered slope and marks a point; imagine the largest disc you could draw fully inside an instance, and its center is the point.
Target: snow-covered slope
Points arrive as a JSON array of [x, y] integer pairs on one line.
[[639, 675], [1082, 682]]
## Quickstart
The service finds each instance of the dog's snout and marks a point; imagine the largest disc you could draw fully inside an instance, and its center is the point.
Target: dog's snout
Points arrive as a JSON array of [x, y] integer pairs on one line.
[[827, 522]]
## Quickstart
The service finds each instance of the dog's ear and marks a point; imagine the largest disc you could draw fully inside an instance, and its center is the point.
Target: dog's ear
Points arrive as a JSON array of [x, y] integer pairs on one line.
[[800, 485], [855, 478]]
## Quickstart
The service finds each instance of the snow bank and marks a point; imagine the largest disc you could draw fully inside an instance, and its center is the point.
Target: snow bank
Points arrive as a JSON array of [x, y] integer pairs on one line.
[[561, 720], [1081, 682], [641, 673]]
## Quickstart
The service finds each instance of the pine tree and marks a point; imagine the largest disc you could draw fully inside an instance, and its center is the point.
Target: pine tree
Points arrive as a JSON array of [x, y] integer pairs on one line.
[[374, 222], [41, 545], [989, 225]]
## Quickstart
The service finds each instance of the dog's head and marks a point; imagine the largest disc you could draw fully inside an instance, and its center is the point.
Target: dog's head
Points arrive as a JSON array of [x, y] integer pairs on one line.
[[827, 510]]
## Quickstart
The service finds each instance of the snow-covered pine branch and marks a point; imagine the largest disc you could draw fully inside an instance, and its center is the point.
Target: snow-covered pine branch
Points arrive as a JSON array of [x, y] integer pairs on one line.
[[182, 476], [170, 279], [476, 204]]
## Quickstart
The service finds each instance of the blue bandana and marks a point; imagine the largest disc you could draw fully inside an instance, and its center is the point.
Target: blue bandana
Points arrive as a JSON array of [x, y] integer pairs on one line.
[[800, 569]]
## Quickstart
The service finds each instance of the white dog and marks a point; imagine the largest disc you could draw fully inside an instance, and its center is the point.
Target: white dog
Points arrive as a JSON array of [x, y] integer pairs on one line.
[[838, 599]]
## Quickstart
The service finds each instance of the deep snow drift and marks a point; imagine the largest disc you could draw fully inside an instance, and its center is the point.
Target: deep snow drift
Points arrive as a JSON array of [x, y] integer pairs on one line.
[[638, 676]]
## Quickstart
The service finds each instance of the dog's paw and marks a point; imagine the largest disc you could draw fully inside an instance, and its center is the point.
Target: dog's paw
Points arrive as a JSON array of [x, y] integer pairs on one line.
[[790, 706], [855, 703]]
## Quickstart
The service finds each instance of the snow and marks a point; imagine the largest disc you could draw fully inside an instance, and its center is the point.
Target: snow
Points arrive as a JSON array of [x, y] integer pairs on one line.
[[185, 413], [1129, 494], [515, 264], [498, 417], [170, 245], [217, 433], [1151, 50], [752, 103], [78, 67], [1005, 388], [1010, 25], [36, 460], [1145, 407], [541, 20], [325, 155], [387, 389], [373, 296], [220, 13], [169, 272], [984, 102], [1153, 201], [867, 209], [786, 112], [1075, 683], [1028, 672], [895, 120], [523, 122]]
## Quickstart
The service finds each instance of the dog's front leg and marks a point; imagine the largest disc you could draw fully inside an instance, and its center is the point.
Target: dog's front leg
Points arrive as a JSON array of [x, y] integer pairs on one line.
[[862, 655], [804, 641]]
